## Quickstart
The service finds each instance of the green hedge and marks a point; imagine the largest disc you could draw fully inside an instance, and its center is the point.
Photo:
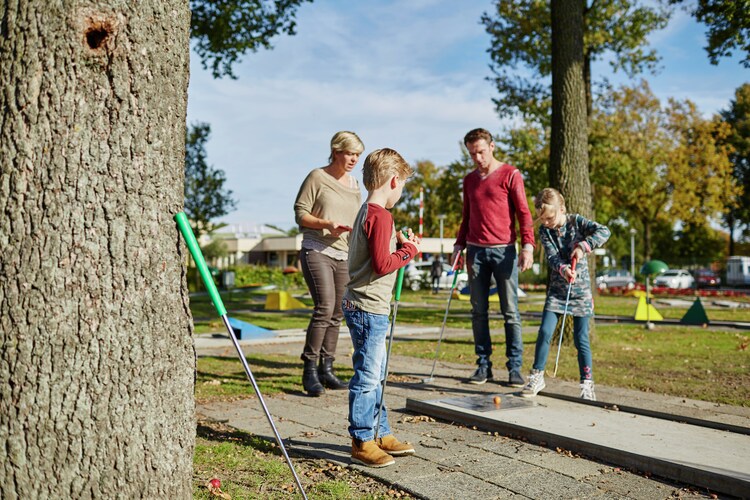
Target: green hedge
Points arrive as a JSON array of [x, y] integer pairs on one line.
[[251, 274]]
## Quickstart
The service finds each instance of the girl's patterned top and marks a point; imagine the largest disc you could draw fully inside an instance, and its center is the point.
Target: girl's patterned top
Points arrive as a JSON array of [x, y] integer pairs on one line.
[[559, 244]]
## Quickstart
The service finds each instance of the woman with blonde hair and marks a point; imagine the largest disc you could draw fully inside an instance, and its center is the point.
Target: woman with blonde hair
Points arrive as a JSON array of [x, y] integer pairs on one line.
[[325, 209]]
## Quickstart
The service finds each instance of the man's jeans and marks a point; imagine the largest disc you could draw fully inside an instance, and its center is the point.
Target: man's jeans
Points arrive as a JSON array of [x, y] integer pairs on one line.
[[368, 332], [580, 338], [483, 264]]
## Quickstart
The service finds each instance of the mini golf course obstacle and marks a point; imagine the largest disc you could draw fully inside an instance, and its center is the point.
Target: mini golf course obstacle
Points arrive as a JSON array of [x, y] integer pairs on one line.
[[696, 315], [283, 301], [244, 330], [645, 311]]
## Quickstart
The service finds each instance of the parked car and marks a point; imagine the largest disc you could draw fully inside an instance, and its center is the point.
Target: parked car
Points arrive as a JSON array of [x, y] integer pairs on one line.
[[706, 277], [615, 278], [738, 270], [417, 276], [675, 278]]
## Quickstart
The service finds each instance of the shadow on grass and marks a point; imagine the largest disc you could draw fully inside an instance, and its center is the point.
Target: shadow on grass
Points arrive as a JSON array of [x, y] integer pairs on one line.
[[224, 434]]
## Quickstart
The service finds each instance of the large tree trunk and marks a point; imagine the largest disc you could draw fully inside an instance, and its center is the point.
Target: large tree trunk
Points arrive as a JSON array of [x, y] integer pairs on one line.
[[96, 352], [569, 158], [569, 140]]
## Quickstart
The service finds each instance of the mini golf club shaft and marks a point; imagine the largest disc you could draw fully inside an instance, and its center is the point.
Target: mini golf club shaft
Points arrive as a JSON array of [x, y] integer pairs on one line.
[[565, 313], [192, 244], [445, 319], [399, 282]]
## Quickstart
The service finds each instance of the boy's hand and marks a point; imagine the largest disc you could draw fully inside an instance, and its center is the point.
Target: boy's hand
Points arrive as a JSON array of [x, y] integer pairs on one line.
[[409, 237]]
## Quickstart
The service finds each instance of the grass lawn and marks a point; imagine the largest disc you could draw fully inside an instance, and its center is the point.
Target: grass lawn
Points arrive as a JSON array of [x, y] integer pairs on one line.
[[252, 468], [709, 364]]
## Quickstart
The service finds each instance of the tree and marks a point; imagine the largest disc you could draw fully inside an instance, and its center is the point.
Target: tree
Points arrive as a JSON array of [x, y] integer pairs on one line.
[[521, 48], [96, 356], [728, 23], [450, 192], [659, 164], [206, 198], [568, 166], [406, 212], [527, 148], [224, 30], [738, 118]]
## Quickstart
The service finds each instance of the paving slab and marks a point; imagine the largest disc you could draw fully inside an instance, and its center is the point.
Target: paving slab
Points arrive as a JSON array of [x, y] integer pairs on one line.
[[715, 459], [455, 459]]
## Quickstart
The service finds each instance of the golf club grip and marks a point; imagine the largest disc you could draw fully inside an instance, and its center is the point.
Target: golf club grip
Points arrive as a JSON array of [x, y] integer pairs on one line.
[[200, 262], [573, 263], [399, 283]]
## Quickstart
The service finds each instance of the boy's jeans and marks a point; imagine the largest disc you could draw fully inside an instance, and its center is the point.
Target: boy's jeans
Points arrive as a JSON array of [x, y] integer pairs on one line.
[[580, 338], [368, 332], [483, 264]]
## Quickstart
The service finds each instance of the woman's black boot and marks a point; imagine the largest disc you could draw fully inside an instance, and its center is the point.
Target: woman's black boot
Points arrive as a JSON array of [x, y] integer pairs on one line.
[[310, 381], [330, 380]]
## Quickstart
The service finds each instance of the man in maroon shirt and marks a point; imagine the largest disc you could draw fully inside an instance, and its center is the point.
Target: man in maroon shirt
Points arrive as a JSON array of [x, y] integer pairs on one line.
[[494, 197]]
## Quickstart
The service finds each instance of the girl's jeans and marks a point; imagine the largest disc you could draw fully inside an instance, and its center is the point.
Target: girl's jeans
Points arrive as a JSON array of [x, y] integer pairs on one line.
[[580, 338], [368, 332]]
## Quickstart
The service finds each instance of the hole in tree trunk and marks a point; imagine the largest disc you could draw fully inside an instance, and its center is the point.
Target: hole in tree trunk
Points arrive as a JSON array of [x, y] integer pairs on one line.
[[95, 38], [98, 32]]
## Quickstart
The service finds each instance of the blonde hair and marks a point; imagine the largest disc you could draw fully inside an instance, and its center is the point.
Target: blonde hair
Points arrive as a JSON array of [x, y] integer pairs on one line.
[[380, 165], [548, 199], [347, 142]]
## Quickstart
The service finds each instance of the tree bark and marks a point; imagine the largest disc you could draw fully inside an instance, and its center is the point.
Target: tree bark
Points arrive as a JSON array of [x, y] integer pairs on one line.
[[97, 359], [569, 158], [569, 139]]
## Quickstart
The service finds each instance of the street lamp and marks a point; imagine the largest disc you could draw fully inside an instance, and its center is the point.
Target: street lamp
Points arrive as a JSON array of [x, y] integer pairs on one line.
[[441, 218], [632, 252]]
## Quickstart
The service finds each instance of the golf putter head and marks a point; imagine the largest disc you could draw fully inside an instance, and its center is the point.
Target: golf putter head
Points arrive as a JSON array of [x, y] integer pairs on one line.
[[428, 380]]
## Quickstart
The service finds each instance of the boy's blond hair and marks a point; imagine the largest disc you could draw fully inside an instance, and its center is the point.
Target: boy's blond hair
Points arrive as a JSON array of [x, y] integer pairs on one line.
[[347, 142], [380, 165], [548, 199]]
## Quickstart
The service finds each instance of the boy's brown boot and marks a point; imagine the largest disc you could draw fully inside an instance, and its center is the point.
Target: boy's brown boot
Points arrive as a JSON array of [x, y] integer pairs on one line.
[[367, 453], [390, 444]]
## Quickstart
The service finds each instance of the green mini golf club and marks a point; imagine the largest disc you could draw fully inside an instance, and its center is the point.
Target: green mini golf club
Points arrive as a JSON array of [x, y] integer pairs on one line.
[[399, 283], [200, 263]]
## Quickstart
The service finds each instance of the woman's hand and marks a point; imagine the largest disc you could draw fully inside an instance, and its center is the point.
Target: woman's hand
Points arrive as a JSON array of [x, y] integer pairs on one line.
[[338, 229]]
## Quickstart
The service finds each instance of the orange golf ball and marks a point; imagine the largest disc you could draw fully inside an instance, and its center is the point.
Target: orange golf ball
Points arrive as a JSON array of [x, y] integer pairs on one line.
[[496, 400]]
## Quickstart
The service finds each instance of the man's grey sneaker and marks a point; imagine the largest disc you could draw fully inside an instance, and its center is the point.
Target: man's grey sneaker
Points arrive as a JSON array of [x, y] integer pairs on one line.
[[515, 379], [534, 385], [587, 390], [482, 375]]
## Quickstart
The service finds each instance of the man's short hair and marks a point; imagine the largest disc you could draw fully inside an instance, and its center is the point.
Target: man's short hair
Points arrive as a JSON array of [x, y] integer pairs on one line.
[[380, 165], [476, 135]]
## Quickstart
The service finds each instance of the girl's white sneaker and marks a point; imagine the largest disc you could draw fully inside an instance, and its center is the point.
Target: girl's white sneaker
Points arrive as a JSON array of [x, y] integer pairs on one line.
[[587, 390]]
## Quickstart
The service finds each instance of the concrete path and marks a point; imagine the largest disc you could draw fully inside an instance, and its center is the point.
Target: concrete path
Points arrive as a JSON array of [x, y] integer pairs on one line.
[[474, 460]]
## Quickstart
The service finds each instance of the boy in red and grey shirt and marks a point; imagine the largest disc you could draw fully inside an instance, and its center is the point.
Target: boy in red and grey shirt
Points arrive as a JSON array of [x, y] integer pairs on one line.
[[376, 252], [494, 198]]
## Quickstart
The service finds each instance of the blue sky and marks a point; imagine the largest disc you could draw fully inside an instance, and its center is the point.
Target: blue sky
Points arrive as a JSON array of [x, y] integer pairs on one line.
[[407, 75]]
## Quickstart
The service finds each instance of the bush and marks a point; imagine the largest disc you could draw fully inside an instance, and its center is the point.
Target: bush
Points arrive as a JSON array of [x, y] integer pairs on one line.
[[255, 275]]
